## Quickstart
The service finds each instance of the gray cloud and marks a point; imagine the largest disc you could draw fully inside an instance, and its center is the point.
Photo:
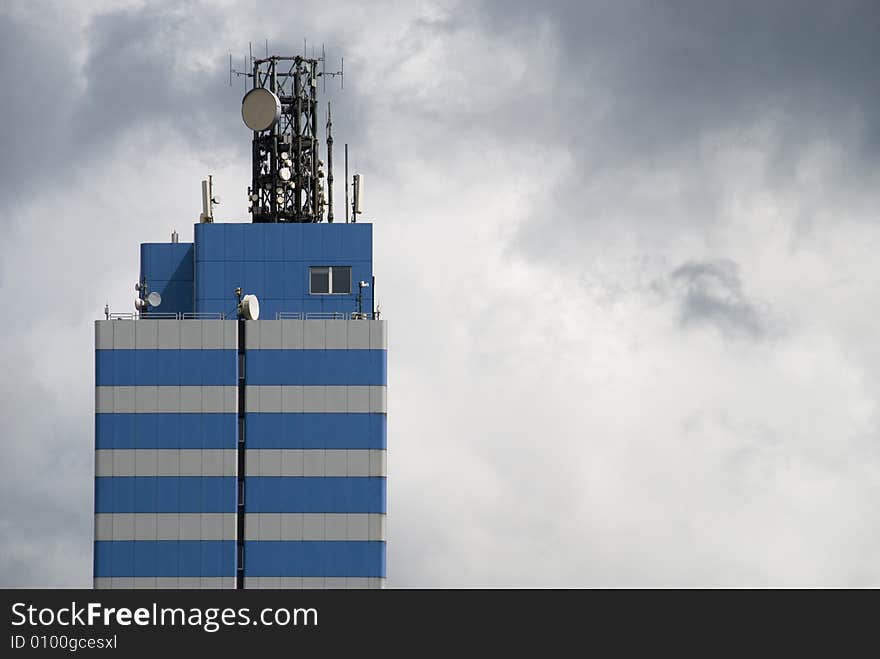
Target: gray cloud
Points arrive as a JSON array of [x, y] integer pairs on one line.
[[712, 294]]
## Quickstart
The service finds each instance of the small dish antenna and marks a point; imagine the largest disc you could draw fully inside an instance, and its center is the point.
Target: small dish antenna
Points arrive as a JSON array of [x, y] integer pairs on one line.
[[249, 307], [260, 109], [154, 299]]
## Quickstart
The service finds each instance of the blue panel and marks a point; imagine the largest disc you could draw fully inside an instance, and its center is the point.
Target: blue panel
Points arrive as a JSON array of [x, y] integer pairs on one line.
[[314, 494], [168, 269], [316, 430], [317, 367], [165, 558], [272, 261], [314, 559], [166, 367], [165, 494]]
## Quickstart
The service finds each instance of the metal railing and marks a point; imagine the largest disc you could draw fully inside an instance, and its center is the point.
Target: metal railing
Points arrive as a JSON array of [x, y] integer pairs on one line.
[[325, 315], [156, 315]]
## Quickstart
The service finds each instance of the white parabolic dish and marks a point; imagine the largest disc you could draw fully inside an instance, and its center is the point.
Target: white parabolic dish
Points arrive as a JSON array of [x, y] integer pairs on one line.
[[250, 307], [260, 109]]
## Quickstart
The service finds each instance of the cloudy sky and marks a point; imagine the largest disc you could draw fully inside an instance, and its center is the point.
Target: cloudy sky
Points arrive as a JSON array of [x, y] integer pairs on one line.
[[628, 251]]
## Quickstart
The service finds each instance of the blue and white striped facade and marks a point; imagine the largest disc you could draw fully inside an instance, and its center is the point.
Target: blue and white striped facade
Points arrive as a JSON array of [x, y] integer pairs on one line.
[[183, 405]]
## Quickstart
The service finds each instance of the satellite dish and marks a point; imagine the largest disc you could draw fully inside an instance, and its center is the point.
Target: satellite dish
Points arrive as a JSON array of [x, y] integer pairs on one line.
[[154, 299], [260, 109], [249, 309]]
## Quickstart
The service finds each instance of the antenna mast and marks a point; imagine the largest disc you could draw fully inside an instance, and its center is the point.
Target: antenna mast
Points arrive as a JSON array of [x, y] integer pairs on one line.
[[281, 109], [329, 164]]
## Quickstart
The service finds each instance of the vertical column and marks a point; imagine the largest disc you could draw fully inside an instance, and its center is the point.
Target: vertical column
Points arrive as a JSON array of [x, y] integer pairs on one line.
[[239, 571]]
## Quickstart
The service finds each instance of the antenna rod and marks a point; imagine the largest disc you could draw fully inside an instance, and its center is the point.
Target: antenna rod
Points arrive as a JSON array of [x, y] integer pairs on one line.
[[329, 165], [346, 183]]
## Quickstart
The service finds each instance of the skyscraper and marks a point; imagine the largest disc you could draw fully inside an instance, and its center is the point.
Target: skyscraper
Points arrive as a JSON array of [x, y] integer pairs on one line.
[[240, 415]]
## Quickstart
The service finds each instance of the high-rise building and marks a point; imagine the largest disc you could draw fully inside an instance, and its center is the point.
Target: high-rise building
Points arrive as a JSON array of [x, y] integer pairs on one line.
[[240, 414]]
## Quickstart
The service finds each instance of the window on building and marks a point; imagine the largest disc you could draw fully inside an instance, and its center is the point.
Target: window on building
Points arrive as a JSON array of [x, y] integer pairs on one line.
[[334, 280]]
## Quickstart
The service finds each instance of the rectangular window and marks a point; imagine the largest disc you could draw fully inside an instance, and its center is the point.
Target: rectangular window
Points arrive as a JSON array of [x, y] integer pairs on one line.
[[335, 280], [319, 280], [340, 279]]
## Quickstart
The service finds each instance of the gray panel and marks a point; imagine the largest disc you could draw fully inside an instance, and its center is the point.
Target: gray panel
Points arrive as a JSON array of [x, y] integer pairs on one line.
[[358, 334], [357, 583], [358, 463], [104, 334], [102, 583], [145, 399], [335, 583], [166, 582], [292, 334], [270, 462], [336, 462], [292, 526], [291, 462], [336, 526], [123, 400], [103, 400], [313, 334], [123, 334], [212, 526], [378, 462], [212, 399], [144, 583], [252, 397], [145, 463], [123, 526], [168, 526], [230, 335], [190, 526], [270, 526], [190, 335], [190, 461], [168, 462], [230, 530], [212, 335], [378, 335], [121, 582], [230, 399], [252, 333], [190, 399], [291, 582], [336, 399], [313, 462], [123, 461], [212, 462], [103, 526], [251, 463], [336, 334], [357, 527], [313, 526], [189, 583], [378, 400], [270, 335], [270, 398], [168, 336], [146, 527], [168, 399], [313, 398], [358, 399], [313, 582], [145, 334], [252, 526], [230, 462], [377, 527], [103, 463], [291, 398]]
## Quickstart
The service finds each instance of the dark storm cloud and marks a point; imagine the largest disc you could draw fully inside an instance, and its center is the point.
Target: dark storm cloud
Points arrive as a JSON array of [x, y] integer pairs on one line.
[[638, 88], [712, 294]]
